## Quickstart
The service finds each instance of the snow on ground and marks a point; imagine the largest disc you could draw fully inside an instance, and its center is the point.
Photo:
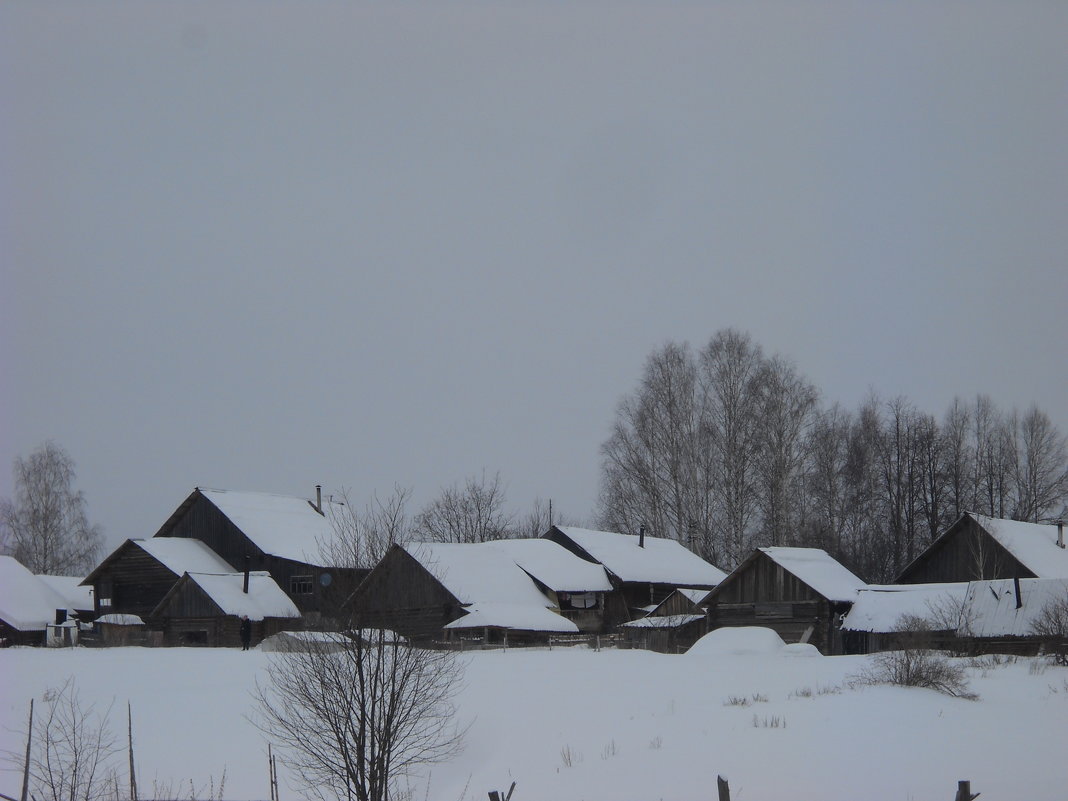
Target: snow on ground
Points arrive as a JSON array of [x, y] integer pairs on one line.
[[632, 724]]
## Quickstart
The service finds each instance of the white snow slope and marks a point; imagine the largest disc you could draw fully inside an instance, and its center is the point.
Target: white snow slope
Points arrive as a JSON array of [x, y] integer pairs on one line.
[[637, 725]]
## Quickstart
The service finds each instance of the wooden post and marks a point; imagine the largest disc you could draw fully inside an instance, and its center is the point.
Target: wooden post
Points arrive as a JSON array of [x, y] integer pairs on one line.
[[964, 791], [724, 789], [129, 732], [26, 768]]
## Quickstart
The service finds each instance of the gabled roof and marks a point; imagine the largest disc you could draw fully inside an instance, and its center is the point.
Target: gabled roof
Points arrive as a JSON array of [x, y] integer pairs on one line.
[[819, 570], [264, 598], [661, 561], [474, 573], [178, 554], [1033, 544], [26, 602], [70, 587], [990, 606], [880, 607], [553, 565], [279, 525], [662, 621]]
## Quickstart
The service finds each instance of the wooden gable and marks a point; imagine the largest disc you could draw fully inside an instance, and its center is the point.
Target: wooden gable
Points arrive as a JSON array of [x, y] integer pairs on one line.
[[964, 552], [132, 580]]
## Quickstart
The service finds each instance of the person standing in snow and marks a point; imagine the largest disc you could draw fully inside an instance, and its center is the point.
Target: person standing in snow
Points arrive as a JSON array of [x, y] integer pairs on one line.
[[246, 632]]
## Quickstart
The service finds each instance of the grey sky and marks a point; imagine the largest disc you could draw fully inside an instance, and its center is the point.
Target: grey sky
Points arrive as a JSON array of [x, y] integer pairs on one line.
[[264, 245]]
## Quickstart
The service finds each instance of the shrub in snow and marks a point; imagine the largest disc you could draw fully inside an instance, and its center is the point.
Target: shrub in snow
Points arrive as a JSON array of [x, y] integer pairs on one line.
[[1052, 625], [738, 641], [915, 667]]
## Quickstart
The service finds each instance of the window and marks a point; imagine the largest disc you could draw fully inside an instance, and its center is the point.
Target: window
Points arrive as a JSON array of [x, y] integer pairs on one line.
[[300, 585], [577, 600]]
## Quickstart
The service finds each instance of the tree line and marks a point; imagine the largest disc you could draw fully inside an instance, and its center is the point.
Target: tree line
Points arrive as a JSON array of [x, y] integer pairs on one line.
[[726, 449]]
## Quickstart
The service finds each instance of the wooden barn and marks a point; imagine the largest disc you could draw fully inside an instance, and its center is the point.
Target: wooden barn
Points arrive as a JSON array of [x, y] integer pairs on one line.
[[288, 537], [205, 609], [1005, 616], [134, 578], [27, 605], [801, 593], [672, 626], [645, 570], [977, 547], [433, 592], [883, 616]]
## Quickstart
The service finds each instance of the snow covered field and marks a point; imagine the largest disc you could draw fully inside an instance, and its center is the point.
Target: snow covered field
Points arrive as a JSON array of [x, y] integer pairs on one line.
[[619, 725]]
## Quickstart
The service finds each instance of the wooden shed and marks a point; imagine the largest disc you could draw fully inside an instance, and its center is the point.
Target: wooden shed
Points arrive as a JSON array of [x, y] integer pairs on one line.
[[978, 547], [27, 605], [205, 609], [884, 616], [645, 570], [286, 536], [434, 591], [672, 626], [134, 578], [801, 593], [1006, 616]]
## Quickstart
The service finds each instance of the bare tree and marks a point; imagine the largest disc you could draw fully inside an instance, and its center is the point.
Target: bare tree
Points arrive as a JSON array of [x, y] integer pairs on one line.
[[1041, 467], [472, 513], [362, 536], [73, 749], [1052, 625], [45, 526], [355, 715]]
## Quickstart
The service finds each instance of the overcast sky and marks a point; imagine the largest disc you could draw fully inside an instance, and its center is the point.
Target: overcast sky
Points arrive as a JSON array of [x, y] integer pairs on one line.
[[265, 245]]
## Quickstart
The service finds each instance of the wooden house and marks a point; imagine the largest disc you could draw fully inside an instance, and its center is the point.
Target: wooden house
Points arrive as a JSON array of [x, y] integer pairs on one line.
[[672, 626], [645, 570], [288, 537], [433, 591], [884, 617], [27, 605], [801, 593], [977, 547], [135, 576], [206, 609]]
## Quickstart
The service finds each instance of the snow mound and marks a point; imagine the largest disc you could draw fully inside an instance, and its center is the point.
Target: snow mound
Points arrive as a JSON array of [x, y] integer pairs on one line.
[[804, 649], [738, 641]]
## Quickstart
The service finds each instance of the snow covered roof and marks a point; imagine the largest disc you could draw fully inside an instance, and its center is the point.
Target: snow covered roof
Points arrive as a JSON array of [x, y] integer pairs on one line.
[[990, 606], [661, 561], [70, 587], [518, 617], [26, 602], [697, 596], [183, 555], [119, 619], [879, 608], [279, 525], [264, 598], [1033, 544], [663, 621], [819, 570], [474, 573], [553, 565]]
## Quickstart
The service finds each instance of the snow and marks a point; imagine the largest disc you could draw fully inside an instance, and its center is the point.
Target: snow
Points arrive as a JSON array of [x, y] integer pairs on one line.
[[120, 619], [476, 574], [182, 555], [76, 596], [553, 565], [879, 608], [661, 561], [819, 570], [264, 598], [663, 621], [26, 602], [990, 607], [517, 617], [280, 525], [738, 641], [696, 596], [639, 725], [290, 641], [1033, 544]]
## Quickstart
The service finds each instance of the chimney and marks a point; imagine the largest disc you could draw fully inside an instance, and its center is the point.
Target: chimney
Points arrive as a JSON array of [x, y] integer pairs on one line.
[[641, 536], [244, 587], [1016, 586], [319, 498], [1060, 533]]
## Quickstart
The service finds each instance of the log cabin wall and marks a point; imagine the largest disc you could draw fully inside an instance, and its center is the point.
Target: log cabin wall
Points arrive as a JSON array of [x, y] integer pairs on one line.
[[134, 581]]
